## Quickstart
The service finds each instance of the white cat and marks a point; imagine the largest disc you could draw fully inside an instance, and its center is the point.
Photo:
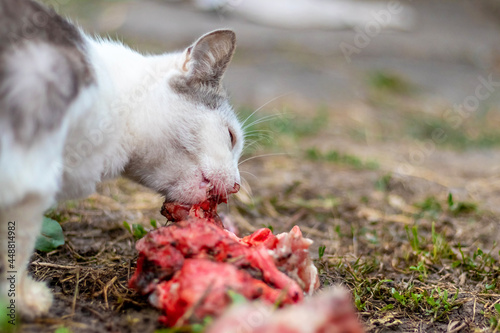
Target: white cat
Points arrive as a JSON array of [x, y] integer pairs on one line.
[[75, 111]]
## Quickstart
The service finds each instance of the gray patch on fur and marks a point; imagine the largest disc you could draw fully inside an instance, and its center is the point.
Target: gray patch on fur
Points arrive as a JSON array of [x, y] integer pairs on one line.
[[205, 93], [24, 25], [209, 58]]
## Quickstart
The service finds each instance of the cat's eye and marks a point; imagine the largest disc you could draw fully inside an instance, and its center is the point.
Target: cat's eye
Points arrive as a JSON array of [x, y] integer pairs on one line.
[[233, 140]]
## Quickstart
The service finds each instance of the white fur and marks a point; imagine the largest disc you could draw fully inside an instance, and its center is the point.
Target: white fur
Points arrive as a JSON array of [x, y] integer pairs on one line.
[[130, 118]]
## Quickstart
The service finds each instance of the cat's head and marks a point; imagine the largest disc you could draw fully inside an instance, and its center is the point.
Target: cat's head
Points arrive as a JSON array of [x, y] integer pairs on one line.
[[197, 140]]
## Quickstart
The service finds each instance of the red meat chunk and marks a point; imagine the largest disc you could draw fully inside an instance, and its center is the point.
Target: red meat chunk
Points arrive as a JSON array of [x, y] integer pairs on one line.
[[162, 253], [290, 253], [207, 210], [189, 266], [201, 288], [177, 211]]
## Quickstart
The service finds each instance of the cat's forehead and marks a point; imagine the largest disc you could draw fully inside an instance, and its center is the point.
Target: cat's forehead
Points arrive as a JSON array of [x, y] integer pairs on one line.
[[212, 96], [207, 97]]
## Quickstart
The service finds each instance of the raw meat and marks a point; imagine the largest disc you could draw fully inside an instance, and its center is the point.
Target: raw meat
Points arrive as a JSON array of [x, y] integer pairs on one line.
[[162, 253], [177, 212], [200, 289], [189, 266]]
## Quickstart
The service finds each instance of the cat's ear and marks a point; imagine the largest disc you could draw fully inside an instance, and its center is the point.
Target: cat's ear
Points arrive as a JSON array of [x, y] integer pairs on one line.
[[207, 59]]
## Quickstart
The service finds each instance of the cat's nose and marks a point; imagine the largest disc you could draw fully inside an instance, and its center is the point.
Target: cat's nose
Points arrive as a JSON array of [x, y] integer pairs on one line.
[[235, 189]]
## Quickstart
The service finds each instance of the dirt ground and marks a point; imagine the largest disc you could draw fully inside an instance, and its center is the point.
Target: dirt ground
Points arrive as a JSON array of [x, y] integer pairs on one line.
[[373, 159]]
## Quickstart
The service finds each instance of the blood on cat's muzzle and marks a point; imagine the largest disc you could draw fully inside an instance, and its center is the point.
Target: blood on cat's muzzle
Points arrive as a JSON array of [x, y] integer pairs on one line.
[[235, 189]]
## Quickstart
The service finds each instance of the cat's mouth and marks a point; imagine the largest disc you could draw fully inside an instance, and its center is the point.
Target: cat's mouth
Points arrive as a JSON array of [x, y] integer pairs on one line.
[[219, 193], [212, 193], [199, 191]]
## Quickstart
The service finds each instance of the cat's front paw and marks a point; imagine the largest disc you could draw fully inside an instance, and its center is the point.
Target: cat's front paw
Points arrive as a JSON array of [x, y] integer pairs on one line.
[[35, 298]]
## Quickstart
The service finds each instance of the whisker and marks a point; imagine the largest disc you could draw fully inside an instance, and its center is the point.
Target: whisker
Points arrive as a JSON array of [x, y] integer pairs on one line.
[[251, 174], [263, 119], [267, 137], [252, 143], [263, 105], [257, 132], [259, 138], [258, 156], [244, 185]]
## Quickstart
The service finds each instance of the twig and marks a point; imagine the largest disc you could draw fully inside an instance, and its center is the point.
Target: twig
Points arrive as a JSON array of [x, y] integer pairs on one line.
[[48, 264], [474, 310], [493, 304], [93, 311], [454, 327], [106, 291], [76, 291], [110, 244]]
